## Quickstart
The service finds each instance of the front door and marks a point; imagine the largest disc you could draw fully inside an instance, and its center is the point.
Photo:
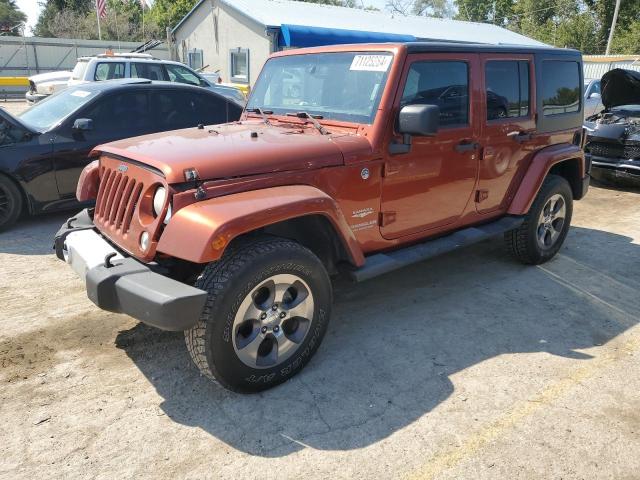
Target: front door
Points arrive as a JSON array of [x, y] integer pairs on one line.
[[115, 116], [508, 127], [430, 186]]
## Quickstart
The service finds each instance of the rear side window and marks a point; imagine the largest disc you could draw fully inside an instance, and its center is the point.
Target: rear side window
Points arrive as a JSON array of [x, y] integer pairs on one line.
[[150, 71], [109, 71], [560, 87], [507, 84], [445, 84]]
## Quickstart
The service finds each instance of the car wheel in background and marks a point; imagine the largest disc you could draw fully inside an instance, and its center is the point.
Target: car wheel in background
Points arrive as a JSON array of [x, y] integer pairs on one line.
[[10, 203]]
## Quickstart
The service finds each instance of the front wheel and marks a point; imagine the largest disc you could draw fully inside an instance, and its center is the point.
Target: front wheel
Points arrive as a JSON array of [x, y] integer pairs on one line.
[[10, 203], [546, 224], [267, 311]]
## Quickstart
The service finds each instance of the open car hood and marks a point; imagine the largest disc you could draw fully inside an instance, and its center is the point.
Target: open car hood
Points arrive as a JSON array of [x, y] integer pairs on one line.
[[620, 87]]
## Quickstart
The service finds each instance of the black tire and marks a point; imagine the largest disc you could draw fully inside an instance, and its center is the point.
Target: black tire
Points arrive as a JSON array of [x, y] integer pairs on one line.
[[523, 242], [229, 282], [10, 203]]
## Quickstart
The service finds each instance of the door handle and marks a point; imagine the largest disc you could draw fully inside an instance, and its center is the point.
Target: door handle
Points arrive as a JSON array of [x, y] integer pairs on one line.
[[466, 146], [519, 136]]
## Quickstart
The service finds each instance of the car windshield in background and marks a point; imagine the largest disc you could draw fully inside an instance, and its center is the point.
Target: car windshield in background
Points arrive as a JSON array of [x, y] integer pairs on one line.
[[338, 86], [79, 69], [52, 110]]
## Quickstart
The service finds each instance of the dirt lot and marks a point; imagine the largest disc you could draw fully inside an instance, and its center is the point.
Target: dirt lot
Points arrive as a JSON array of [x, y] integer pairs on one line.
[[467, 366]]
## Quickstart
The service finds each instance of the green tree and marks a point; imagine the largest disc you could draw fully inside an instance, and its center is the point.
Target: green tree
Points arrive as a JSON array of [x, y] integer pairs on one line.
[[10, 18], [628, 18], [168, 13]]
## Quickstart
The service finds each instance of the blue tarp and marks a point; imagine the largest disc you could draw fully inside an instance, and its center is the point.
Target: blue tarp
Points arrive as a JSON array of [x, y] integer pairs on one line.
[[303, 36]]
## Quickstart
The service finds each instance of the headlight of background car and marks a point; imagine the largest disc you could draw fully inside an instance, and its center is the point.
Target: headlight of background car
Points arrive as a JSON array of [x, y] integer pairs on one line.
[[158, 202], [47, 89]]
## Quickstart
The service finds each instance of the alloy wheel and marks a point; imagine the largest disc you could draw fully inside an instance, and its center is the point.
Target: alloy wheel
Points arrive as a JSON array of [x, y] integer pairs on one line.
[[551, 221], [273, 321]]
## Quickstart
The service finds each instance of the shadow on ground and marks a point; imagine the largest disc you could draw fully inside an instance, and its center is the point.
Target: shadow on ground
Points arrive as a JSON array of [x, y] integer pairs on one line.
[[394, 342], [33, 235]]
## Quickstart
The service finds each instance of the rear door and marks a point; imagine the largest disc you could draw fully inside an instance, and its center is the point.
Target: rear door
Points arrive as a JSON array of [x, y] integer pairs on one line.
[[508, 123], [430, 186]]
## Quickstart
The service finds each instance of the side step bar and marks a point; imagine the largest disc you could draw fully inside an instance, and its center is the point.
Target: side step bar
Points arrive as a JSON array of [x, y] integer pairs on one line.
[[381, 263]]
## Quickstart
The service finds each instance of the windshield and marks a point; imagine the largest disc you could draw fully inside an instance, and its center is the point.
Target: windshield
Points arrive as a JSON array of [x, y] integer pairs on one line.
[[78, 70], [339, 86], [49, 112]]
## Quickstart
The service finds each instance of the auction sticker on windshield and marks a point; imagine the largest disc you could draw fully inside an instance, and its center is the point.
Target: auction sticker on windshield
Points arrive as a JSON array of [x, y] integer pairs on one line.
[[371, 63], [81, 93]]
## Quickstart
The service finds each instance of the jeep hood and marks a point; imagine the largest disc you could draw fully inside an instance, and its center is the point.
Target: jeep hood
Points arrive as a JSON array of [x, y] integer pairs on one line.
[[620, 87], [231, 150]]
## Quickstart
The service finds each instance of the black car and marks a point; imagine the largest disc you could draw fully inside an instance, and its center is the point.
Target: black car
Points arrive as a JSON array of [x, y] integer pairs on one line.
[[613, 136], [43, 150]]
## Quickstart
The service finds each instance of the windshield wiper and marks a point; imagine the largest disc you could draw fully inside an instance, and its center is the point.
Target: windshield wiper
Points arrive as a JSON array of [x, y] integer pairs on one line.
[[262, 113], [313, 118]]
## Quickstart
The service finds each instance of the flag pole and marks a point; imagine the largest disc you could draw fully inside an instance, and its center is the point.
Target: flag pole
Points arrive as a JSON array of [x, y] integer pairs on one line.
[[98, 17]]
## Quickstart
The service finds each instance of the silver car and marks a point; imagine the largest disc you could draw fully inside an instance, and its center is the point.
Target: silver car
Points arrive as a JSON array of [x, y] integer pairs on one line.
[[592, 97]]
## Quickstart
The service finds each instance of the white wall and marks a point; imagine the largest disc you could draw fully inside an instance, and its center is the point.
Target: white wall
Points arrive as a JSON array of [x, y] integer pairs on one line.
[[234, 30]]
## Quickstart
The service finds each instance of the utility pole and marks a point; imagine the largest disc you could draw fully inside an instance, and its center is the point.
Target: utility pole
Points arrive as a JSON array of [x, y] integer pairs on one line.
[[613, 26]]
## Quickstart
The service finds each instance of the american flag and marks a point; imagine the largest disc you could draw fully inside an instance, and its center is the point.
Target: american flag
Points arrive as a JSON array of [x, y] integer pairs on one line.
[[101, 6]]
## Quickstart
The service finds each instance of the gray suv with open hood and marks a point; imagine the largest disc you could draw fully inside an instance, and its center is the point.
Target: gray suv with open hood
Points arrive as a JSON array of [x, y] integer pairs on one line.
[[613, 136]]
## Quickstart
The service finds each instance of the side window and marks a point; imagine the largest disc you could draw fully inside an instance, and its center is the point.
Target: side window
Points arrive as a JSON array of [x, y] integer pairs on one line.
[[120, 113], [150, 71], [445, 84], [507, 84], [560, 87], [108, 71], [239, 65], [175, 109], [211, 109], [182, 75]]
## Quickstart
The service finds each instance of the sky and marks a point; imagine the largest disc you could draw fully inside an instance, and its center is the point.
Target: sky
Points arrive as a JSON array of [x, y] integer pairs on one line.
[[32, 9]]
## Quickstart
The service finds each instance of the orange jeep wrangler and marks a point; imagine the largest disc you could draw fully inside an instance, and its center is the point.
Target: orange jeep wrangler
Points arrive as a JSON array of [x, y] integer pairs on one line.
[[351, 159]]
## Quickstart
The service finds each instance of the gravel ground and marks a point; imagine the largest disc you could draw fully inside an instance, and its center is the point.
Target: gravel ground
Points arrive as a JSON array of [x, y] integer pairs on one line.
[[466, 366]]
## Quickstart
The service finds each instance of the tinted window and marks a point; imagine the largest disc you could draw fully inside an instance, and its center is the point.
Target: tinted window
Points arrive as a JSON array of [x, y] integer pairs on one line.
[[150, 71], [507, 84], [179, 109], [444, 84], [126, 113], [212, 109], [560, 87], [182, 75], [109, 71]]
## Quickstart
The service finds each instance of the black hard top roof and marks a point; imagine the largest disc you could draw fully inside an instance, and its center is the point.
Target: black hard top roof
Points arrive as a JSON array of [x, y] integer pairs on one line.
[[428, 47]]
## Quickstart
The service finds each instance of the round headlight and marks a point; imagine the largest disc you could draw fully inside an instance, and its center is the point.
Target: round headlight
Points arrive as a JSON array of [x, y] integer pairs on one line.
[[144, 241], [158, 202]]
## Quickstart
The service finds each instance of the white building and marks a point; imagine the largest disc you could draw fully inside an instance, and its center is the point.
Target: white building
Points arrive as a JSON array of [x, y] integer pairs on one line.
[[236, 36]]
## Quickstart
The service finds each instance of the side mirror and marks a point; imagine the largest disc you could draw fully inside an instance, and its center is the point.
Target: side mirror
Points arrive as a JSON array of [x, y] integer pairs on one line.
[[83, 124], [595, 95], [419, 120]]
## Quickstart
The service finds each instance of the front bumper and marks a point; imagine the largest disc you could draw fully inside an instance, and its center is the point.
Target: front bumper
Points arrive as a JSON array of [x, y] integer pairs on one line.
[[605, 168], [33, 97], [122, 284]]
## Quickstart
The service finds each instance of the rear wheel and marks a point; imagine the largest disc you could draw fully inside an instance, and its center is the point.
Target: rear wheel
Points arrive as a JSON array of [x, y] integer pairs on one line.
[[10, 203], [267, 311], [546, 224]]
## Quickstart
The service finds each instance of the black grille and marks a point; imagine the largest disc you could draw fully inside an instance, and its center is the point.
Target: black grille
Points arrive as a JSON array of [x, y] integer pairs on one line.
[[614, 150]]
